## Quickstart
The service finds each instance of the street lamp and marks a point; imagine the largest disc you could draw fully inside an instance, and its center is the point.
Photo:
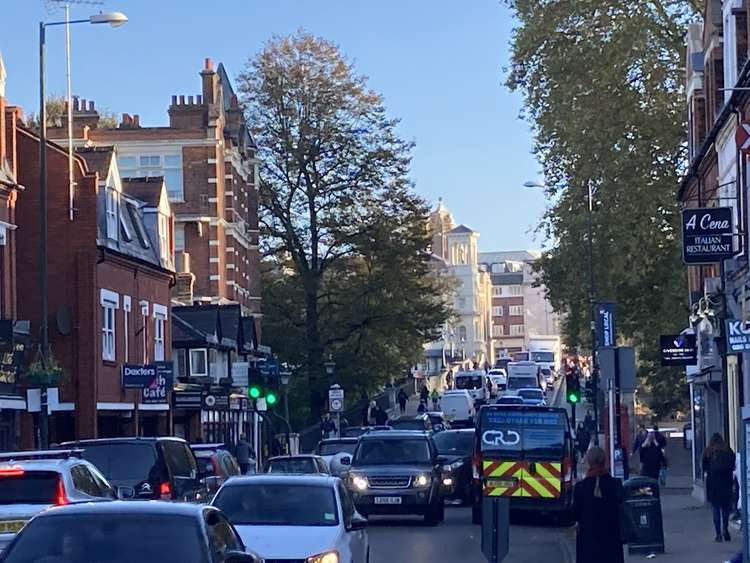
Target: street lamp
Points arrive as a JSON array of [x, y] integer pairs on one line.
[[115, 19], [592, 312], [330, 366]]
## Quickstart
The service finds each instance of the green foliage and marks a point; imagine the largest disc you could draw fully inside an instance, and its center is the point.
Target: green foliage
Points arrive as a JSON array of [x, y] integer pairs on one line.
[[602, 83], [345, 236], [56, 111]]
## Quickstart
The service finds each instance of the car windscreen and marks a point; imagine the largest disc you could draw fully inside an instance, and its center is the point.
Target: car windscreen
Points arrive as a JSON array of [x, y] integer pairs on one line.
[[469, 382], [278, 505], [535, 434], [122, 462], [530, 394], [521, 382], [546, 357], [377, 451], [87, 538], [454, 443], [408, 424], [292, 466], [334, 448], [27, 487]]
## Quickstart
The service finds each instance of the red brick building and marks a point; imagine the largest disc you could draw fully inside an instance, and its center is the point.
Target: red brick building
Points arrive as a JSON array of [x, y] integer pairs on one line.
[[109, 291], [207, 158]]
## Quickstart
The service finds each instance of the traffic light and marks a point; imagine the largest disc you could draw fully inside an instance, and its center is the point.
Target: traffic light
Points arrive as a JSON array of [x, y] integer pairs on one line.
[[262, 386], [572, 387], [255, 383]]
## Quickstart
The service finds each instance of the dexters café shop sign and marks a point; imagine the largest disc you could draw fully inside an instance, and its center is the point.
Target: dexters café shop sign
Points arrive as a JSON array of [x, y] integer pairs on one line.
[[706, 235]]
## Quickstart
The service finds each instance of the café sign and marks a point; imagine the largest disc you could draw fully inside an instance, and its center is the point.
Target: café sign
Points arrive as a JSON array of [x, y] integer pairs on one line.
[[707, 235]]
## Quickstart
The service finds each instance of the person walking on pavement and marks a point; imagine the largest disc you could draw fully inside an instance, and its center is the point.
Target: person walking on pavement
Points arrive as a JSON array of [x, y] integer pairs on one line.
[[402, 398], [640, 438], [597, 501], [652, 457], [435, 396], [718, 466], [588, 422], [424, 393], [243, 454], [661, 439], [328, 427], [583, 438], [381, 417], [422, 407]]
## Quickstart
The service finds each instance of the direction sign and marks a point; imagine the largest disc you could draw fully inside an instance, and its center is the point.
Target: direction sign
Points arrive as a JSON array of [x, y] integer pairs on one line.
[[742, 137]]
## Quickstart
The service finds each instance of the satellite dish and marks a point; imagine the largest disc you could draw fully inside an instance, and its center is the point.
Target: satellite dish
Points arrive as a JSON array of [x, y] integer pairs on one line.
[[64, 320]]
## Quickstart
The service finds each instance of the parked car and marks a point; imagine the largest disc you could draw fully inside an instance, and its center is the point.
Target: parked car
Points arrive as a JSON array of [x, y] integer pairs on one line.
[[157, 468], [455, 448], [420, 422], [216, 464], [31, 482], [397, 472], [458, 407], [301, 518], [302, 464], [337, 453], [142, 531]]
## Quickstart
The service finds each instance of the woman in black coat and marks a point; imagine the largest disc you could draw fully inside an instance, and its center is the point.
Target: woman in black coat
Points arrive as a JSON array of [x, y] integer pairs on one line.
[[718, 465], [596, 509], [652, 457]]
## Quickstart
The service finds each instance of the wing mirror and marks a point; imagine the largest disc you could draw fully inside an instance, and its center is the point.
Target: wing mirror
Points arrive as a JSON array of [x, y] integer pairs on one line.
[[125, 493], [358, 522]]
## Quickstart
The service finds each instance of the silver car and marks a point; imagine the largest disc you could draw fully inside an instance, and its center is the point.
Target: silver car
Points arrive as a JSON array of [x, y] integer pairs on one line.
[[30, 482]]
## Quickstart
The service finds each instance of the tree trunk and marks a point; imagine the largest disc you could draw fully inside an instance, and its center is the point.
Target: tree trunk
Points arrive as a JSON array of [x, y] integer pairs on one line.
[[314, 350]]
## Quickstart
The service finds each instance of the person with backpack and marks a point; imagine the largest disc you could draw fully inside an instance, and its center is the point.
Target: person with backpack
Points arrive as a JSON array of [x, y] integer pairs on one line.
[[435, 396], [402, 399], [718, 467]]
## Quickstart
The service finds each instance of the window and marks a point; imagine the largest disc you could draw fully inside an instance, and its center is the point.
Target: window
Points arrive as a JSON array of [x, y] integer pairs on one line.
[[219, 364], [179, 459], [178, 357], [516, 290], [498, 268], [149, 165], [199, 362], [159, 321], [497, 291], [135, 218], [462, 333], [516, 330], [125, 230], [110, 196], [126, 317], [498, 311], [163, 237], [515, 310], [88, 483], [110, 301], [179, 237], [144, 329], [461, 302], [498, 330]]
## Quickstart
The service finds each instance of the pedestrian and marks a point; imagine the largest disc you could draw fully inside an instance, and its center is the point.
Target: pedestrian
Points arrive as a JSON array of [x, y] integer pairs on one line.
[[652, 457], [583, 439], [424, 393], [343, 425], [640, 438], [449, 379], [381, 417], [718, 466], [588, 422], [422, 407], [402, 398], [371, 414], [242, 451], [327, 427], [597, 501], [435, 396], [661, 439]]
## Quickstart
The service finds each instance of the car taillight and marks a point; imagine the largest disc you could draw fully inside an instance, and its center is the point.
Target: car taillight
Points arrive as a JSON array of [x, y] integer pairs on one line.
[[60, 498], [165, 490], [476, 462], [11, 472]]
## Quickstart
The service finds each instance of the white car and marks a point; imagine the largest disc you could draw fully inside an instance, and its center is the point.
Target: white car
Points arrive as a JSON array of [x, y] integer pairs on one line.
[[458, 407], [307, 518]]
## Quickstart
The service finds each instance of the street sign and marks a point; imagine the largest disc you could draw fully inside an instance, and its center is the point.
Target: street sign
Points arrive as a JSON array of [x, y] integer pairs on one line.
[[605, 329], [742, 137], [737, 334], [707, 235], [335, 405], [336, 393], [335, 398], [678, 350], [495, 528]]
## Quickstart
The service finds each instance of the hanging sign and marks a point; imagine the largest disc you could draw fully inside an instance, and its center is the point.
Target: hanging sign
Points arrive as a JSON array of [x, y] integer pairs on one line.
[[706, 235]]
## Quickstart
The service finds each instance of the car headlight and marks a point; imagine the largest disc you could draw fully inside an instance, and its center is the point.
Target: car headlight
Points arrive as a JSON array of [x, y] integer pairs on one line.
[[422, 480], [358, 483], [456, 465], [327, 557]]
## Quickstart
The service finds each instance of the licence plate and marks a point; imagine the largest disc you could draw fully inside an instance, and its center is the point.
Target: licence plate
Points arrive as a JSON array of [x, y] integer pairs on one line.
[[387, 500], [505, 483], [11, 526]]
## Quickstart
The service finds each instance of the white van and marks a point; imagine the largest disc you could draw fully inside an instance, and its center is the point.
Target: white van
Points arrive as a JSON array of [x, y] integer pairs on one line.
[[525, 375], [474, 382], [499, 379], [458, 407]]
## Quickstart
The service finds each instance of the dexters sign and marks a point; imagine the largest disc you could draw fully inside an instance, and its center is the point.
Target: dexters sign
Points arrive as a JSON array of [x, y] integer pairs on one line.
[[706, 235]]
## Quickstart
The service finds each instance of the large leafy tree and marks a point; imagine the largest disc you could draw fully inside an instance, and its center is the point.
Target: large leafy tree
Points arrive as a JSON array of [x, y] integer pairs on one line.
[[602, 81], [343, 233]]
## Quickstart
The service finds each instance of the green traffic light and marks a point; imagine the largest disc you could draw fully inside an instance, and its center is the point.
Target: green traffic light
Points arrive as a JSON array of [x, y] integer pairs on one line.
[[573, 398], [271, 399], [254, 392]]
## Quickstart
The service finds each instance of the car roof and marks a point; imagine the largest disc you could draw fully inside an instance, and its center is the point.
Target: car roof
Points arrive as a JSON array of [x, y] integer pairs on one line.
[[221, 446], [535, 389], [457, 431], [410, 417], [57, 464], [394, 434], [125, 440], [282, 479], [296, 456], [342, 440], [127, 507]]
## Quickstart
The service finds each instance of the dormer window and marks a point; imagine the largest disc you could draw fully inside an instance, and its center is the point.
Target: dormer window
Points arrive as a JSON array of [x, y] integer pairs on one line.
[[112, 214]]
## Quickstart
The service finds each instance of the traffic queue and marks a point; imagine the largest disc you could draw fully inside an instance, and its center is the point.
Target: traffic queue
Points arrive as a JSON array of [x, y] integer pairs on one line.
[[86, 501]]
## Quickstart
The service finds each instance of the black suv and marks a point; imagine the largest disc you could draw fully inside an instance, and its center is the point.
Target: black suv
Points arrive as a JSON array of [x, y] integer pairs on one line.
[[156, 468], [397, 472]]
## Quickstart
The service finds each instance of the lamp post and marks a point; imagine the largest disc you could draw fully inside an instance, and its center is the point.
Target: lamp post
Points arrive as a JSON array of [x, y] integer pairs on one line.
[[284, 377], [115, 19], [591, 296], [330, 366]]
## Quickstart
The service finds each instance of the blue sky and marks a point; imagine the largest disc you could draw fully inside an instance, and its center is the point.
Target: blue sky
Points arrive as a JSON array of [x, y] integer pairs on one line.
[[439, 64]]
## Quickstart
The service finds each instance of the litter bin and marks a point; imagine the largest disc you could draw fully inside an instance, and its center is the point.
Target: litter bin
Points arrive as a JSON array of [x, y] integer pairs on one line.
[[642, 511]]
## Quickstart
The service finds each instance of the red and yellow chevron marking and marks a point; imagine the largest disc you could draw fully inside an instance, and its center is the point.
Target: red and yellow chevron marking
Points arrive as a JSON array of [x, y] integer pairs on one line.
[[516, 479]]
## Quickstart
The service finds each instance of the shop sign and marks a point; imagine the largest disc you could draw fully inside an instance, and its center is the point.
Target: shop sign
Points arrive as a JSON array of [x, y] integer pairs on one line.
[[706, 235], [605, 329], [215, 401], [738, 336], [191, 400], [138, 376], [154, 380], [678, 350]]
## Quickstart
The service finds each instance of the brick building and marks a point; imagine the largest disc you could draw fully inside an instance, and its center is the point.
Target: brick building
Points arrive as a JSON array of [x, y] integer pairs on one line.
[[110, 279], [207, 158], [12, 403]]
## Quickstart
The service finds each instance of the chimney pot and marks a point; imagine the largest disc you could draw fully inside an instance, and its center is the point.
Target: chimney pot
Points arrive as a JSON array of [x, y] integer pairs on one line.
[[174, 100], [182, 100], [75, 103], [208, 64], [199, 99], [91, 105], [136, 120], [190, 100], [84, 103], [126, 119]]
